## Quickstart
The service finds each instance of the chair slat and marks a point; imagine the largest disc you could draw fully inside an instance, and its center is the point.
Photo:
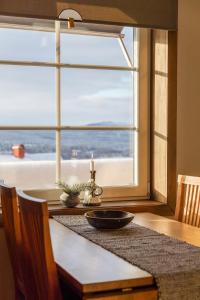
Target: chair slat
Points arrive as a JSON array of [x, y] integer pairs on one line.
[[188, 200], [40, 265], [185, 202], [179, 213], [193, 205], [188, 213], [196, 208], [11, 223], [197, 221]]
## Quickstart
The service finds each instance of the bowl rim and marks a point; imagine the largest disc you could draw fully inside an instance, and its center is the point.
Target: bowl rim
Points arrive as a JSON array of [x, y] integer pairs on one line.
[[128, 214]]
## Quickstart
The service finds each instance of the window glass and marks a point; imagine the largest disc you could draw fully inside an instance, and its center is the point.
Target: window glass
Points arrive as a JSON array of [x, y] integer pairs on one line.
[[88, 97], [38, 145], [27, 95], [27, 158], [112, 150], [27, 45], [102, 97], [96, 50]]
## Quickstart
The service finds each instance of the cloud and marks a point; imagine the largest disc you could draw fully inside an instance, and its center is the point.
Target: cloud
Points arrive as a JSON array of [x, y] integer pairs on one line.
[[27, 94], [112, 95], [44, 42]]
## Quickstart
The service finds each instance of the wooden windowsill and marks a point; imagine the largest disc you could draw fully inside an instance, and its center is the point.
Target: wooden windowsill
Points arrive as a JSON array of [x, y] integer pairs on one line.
[[131, 206]]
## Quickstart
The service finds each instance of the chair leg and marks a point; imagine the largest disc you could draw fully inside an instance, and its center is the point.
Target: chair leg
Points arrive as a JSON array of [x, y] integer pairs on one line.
[[18, 295]]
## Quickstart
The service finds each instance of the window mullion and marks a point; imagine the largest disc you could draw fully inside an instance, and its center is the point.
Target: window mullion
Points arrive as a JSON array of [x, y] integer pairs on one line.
[[58, 104]]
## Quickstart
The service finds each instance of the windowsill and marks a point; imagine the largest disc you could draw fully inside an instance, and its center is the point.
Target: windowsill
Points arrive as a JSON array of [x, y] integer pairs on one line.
[[131, 206]]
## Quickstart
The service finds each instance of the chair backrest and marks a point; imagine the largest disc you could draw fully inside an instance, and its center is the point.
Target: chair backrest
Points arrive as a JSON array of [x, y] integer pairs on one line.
[[11, 223], [40, 266], [188, 200]]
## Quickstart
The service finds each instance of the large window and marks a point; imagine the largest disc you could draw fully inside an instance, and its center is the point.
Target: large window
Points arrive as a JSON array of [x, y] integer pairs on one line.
[[69, 94]]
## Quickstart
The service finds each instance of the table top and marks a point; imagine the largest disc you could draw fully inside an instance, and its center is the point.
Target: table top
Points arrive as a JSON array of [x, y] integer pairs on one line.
[[90, 268]]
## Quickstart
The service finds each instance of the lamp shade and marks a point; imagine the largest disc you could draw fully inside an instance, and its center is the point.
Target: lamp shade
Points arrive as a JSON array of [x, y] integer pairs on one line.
[[70, 14]]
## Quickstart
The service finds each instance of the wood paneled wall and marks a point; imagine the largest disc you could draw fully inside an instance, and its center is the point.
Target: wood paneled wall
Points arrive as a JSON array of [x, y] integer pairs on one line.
[[151, 13], [159, 114], [163, 111], [172, 121]]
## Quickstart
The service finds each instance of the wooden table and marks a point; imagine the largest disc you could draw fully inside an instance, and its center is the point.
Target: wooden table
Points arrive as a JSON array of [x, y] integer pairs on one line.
[[95, 273]]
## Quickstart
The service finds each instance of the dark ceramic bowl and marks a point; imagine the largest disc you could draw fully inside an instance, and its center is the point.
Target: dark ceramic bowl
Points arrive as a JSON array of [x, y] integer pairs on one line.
[[108, 219]]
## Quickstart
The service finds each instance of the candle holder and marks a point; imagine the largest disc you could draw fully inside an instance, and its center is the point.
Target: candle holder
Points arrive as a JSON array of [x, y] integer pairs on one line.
[[93, 192], [92, 176]]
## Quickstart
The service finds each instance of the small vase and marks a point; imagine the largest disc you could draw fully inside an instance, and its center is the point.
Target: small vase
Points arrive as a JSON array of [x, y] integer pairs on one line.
[[69, 201]]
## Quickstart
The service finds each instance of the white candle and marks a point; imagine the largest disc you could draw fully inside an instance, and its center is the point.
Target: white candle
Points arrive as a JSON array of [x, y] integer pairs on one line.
[[92, 165]]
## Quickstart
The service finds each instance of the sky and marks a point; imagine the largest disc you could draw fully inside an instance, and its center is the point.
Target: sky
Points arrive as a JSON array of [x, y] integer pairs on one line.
[[27, 94]]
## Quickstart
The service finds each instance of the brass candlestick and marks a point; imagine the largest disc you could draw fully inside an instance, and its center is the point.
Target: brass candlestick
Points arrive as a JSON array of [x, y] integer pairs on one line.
[[92, 176], [92, 192]]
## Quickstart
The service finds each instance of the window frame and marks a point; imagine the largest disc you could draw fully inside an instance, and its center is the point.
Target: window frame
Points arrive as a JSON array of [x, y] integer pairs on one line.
[[141, 190]]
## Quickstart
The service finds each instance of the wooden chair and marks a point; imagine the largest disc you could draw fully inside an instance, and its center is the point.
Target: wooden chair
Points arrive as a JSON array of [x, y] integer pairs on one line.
[[188, 200], [11, 223], [40, 268]]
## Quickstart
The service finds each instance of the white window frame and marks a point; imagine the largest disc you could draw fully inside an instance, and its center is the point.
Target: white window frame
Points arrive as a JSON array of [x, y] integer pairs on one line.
[[141, 190]]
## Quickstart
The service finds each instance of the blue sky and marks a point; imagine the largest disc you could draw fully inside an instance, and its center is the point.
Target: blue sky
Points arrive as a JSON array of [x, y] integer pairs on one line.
[[27, 94]]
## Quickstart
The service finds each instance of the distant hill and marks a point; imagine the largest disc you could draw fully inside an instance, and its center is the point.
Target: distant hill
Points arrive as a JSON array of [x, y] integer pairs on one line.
[[103, 144]]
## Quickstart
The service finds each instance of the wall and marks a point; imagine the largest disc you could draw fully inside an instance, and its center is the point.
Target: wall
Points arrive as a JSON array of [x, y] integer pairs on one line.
[[151, 13], [163, 121], [159, 114], [188, 114]]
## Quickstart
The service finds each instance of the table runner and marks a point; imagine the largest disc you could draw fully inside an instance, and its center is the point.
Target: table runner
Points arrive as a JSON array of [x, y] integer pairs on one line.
[[174, 264]]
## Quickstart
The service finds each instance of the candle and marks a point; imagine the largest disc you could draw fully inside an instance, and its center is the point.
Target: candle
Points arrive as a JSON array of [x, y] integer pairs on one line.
[[92, 163]]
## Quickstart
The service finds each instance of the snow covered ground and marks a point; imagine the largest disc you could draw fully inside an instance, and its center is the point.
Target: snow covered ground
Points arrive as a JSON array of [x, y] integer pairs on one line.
[[28, 157], [35, 173]]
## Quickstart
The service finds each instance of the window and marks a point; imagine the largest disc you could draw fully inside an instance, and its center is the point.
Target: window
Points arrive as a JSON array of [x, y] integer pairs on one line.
[[68, 94]]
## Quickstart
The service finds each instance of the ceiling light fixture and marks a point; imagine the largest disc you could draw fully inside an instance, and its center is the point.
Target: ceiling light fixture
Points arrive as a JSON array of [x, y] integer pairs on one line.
[[71, 16]]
